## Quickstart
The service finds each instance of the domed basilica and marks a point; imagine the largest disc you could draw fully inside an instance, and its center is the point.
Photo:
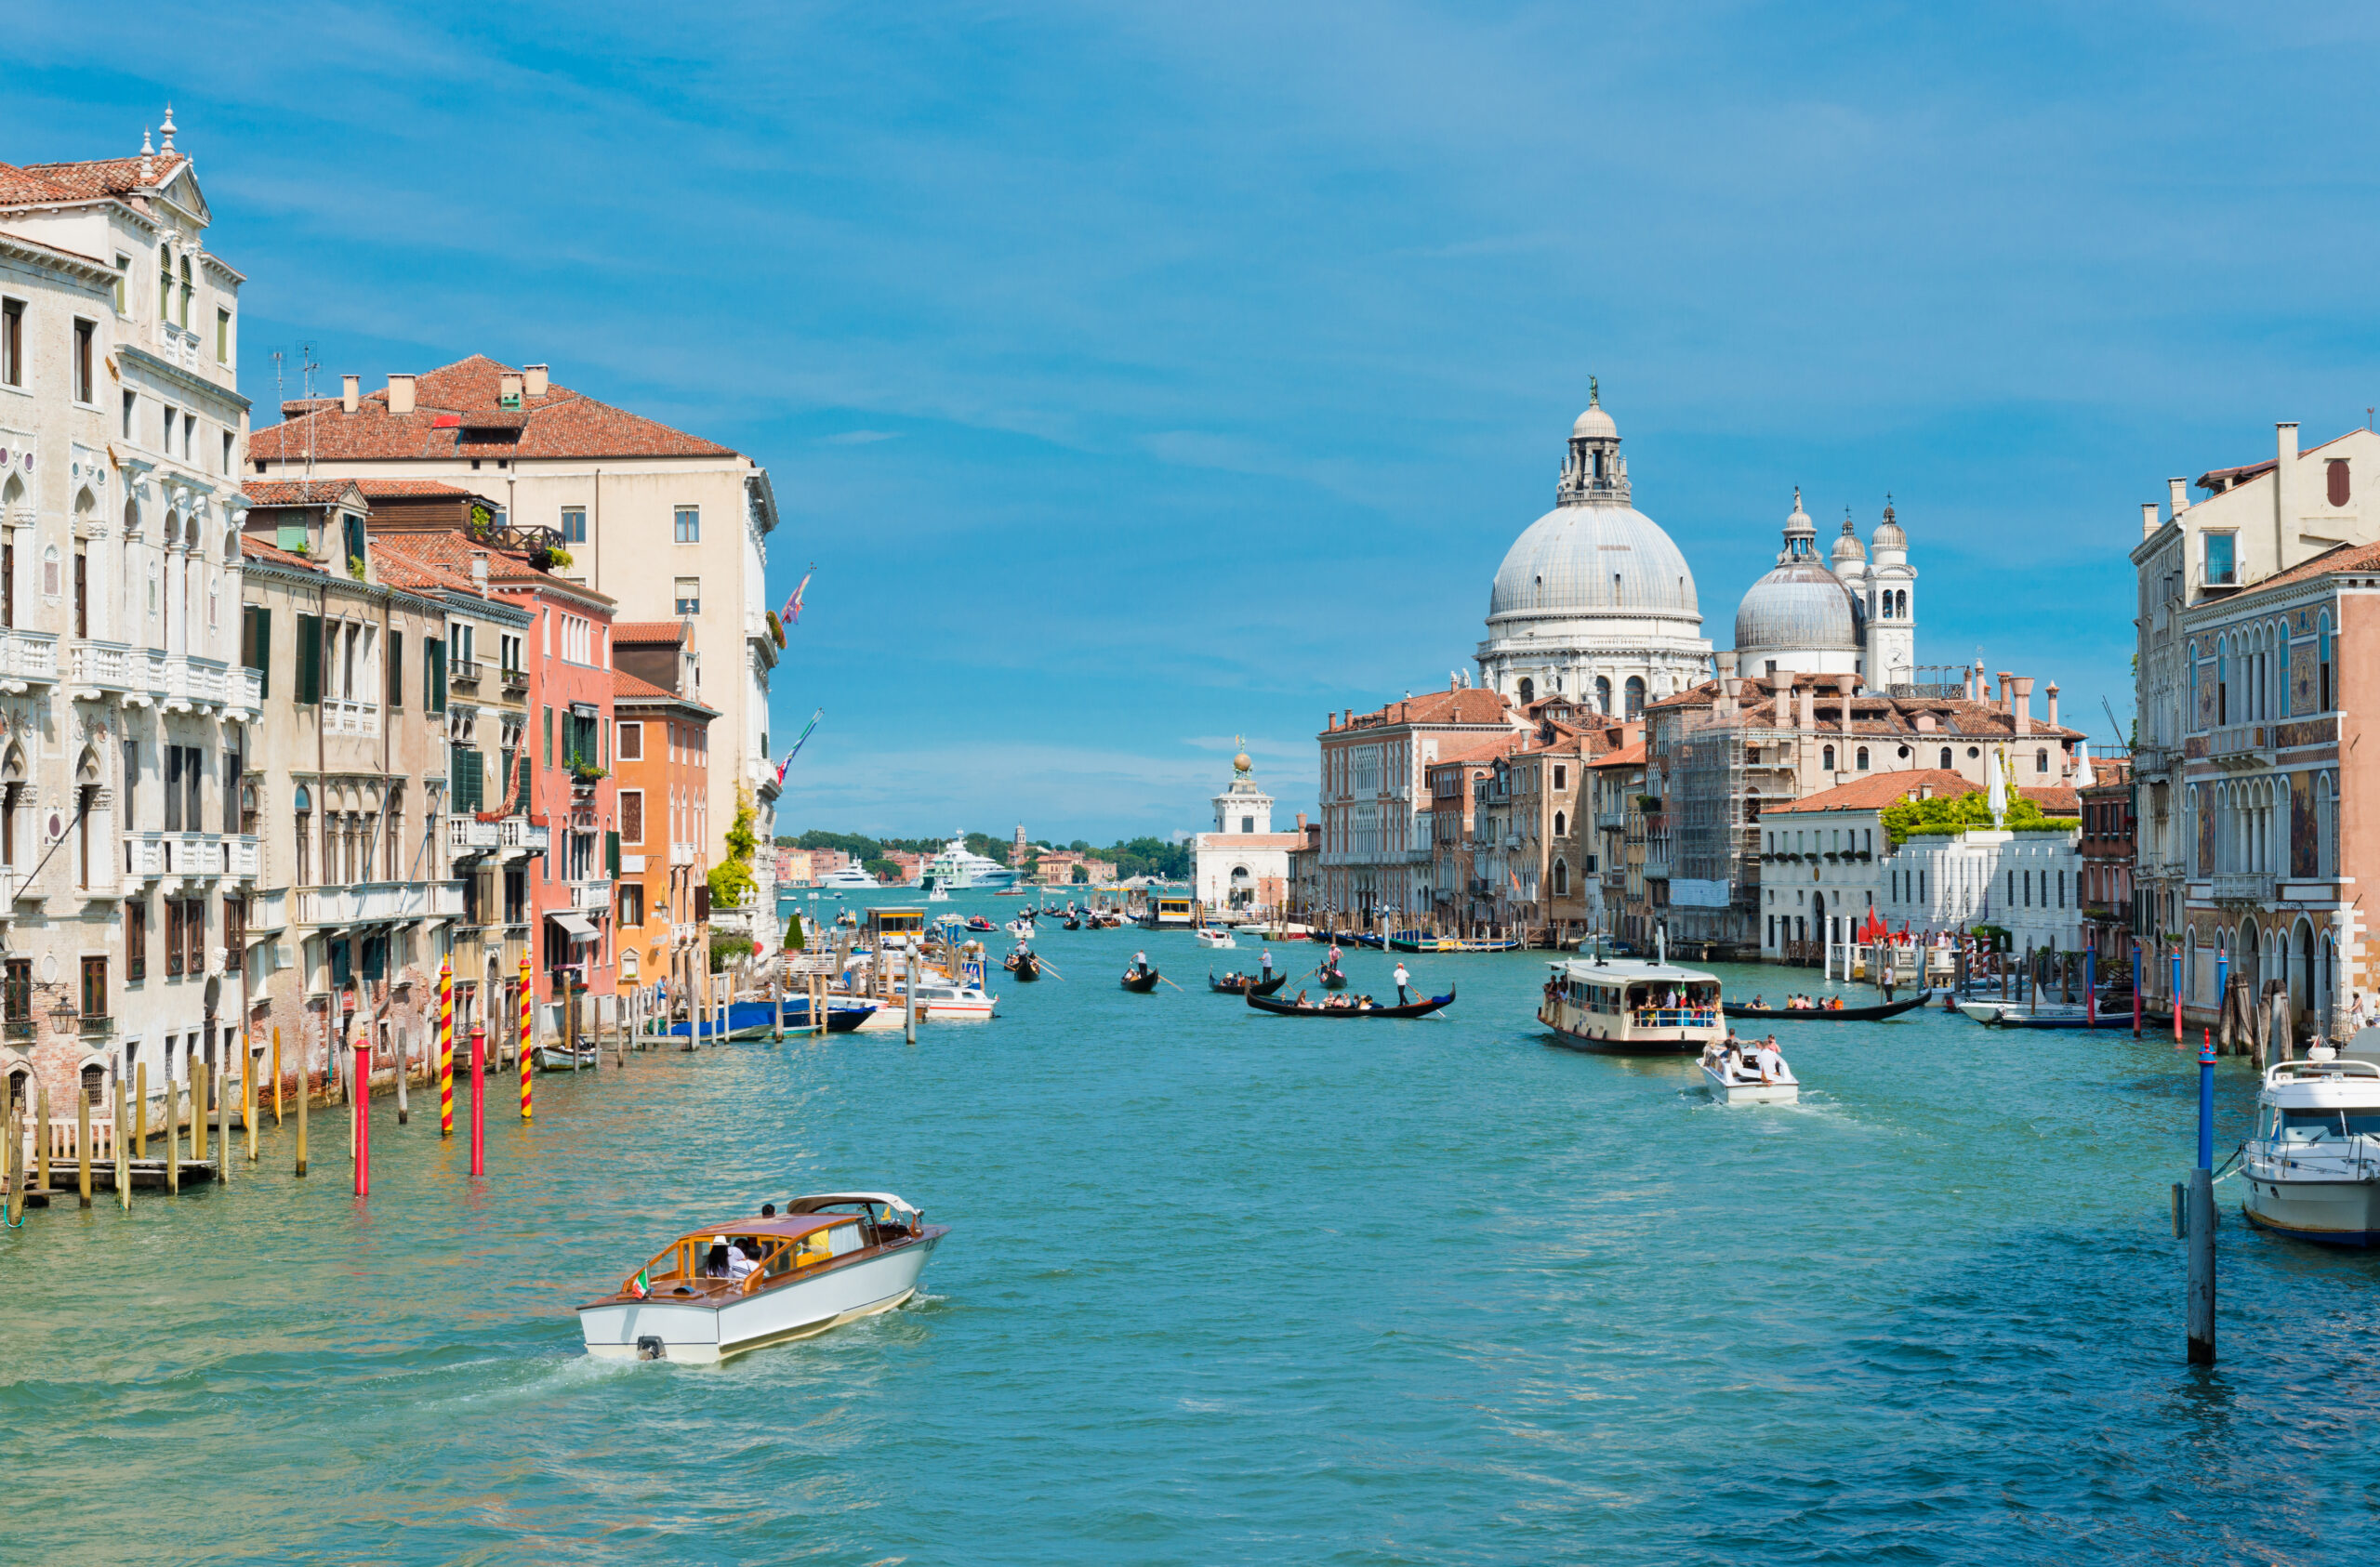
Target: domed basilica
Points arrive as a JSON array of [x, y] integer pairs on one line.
[[1595, 602]]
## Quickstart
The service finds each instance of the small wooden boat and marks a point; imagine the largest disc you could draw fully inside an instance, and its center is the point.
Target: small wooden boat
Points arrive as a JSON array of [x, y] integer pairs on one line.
[[1232, 984], [1024, 966], [1144, 981], [744, 1283], [1332, 979], [1072, 925], [1291, 1009], [757, 1020], [1825, 1015], [557, 1058]]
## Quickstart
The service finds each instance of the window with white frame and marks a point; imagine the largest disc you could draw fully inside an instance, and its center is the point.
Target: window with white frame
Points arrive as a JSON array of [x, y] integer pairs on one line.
[[689, 596], [690, 524], [577, 639], [573, 524]]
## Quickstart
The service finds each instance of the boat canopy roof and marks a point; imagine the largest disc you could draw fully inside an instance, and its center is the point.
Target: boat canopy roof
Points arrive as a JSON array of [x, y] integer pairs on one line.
[[818, 1199], [2346, 1084], [1625, 970], [789, 1225]]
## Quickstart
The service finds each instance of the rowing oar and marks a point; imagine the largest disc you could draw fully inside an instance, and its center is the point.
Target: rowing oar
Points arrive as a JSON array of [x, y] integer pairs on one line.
[[1162, 979], [1051, 968]]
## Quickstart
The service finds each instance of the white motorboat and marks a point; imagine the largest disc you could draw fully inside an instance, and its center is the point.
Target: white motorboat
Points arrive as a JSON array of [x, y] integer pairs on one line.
[[850, 877], [2021, 1014], [553, 1057], [960, 867], [1730, 1078], [2313, 1166], [1021, 928], [1215, 936], [941, 1001], [749, 1283]]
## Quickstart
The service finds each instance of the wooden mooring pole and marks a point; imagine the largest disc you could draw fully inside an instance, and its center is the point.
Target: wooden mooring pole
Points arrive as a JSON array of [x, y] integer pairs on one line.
[[305, 1092], [83, 1145]]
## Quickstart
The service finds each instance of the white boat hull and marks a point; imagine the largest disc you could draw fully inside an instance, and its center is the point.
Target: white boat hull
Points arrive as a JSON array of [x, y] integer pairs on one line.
[[705, 1333], [1726, 1092], [2341, 1213], [1216, 939]]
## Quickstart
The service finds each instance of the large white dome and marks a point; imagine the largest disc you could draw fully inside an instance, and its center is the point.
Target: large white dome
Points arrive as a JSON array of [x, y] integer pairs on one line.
[[1799, 605], [1587, 559]]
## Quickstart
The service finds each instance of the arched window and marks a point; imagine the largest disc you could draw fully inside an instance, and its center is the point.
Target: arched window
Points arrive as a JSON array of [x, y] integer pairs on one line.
[[186, 292], [1636, 688], [1884, 608], [49, 589], [1561, 824], [2192, 716], [2322, 662], [1602, 693], [2041, 761], [1561, 879], [2223, 679], [1946, 759], [1827, 758], [1860, 761], [1528, 691], [1904, 605]]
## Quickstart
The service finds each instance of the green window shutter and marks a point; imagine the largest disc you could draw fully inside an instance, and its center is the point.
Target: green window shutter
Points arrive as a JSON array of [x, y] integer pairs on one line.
[[310, 661], [433, 677], [612, 855], [396, 670], [549, 737], [525, 780], [255, 644]]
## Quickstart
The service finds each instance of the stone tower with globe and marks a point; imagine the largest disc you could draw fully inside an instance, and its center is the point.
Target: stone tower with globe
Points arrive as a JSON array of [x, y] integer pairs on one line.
[[1593, 603]]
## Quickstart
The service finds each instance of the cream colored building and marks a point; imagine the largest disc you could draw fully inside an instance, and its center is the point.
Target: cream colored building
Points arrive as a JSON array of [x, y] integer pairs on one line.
[[671, 526], [122, 715]]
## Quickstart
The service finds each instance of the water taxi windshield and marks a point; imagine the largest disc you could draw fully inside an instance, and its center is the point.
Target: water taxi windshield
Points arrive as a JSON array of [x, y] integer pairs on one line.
[[2323, 1125]]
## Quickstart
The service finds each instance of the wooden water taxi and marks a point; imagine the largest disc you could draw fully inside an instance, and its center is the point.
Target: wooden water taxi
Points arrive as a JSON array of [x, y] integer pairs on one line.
[[1421, 940], [1625, 1007], [749, 1283]]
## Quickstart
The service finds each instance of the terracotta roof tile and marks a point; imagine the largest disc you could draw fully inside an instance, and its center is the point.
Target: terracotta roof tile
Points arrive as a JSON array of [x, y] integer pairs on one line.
[[393, 489], [454, 552], [254, 548], [454, 412], [649, 631], [2341, 558], [297, 492], [1469, 705], [1877, 791], [627, 688], [91, 181], [1630, 755]]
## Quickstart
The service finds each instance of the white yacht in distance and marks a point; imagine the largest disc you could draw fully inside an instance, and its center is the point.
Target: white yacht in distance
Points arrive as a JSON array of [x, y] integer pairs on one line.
[[959, 869], [850, 877]]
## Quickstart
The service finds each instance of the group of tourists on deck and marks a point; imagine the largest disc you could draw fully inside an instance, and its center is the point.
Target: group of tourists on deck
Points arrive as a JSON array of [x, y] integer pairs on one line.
[[1339, 1002], [1803, 1004]]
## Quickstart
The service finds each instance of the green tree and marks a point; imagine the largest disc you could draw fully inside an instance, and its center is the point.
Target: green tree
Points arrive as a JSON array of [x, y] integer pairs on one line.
[[1959, 814], [732, 880], [881, 868]]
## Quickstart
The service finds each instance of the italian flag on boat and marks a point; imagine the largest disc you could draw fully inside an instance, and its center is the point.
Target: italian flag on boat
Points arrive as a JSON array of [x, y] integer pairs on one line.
[[642, 1283]]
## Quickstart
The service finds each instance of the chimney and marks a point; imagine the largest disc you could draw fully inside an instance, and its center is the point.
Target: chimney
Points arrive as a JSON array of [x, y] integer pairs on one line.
[[351, 393], [2284, 493], [508, 387], [2006, 695], [479, 572], [2177, 495], [2020, 697], [1301, 821], [533, 380], [400, 394], [1809, 706], [1845, 685], [2052, 695], [2148, 518]]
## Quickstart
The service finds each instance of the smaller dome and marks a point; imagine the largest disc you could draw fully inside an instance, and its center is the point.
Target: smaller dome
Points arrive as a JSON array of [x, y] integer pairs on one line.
[[1594, 424], [1848, 546], [1888, 534], [1801, 605]]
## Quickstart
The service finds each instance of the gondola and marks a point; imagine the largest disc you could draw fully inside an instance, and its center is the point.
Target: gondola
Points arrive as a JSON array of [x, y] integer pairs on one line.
[[1824, 1015], [1232, 984], [1024, 966], [1332, 979], [1141, 982], [1291, 1009], [1072, 925]]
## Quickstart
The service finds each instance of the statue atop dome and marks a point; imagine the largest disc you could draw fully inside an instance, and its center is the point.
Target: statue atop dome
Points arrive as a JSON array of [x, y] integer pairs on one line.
[[1595, 471]]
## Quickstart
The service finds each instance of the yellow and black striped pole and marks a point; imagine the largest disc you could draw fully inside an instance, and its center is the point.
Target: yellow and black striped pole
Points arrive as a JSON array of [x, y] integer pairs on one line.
[[446, 1047], [528, 998]]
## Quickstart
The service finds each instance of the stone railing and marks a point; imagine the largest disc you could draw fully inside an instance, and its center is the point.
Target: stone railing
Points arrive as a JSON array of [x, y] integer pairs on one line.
[[27, 657]]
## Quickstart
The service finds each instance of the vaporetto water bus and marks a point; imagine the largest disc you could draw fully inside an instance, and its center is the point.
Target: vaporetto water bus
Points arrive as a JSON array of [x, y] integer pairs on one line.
[[1620, 1006]]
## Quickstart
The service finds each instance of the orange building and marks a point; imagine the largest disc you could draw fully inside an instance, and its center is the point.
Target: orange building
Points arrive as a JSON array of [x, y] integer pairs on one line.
[[662, 771]]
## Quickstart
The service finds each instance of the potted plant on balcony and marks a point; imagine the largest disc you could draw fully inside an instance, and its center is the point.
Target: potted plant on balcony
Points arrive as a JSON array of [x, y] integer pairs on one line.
[[584, 771]]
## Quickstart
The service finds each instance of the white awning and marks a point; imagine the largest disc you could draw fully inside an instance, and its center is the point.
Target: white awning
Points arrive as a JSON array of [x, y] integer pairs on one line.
[[580, 929]]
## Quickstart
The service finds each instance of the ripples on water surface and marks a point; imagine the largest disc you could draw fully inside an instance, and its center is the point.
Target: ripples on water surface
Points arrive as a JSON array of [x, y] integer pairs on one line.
[[1224, 1287]]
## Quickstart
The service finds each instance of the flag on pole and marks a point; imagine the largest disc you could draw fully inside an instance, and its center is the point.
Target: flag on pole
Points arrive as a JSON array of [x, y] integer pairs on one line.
[[641, 1285], [799, 740], [792, 615]]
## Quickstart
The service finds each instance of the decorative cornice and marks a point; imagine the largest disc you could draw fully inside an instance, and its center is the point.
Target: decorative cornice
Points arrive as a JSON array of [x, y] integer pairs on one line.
[[167, 370]]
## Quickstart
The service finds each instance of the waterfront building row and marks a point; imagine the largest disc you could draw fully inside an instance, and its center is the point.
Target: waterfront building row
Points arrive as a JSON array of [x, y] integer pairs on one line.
[[272, 749]]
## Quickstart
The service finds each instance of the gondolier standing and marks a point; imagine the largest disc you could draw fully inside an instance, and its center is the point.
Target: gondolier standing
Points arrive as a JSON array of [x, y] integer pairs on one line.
[[1141, 962], [1268, 963], [1403, 979]]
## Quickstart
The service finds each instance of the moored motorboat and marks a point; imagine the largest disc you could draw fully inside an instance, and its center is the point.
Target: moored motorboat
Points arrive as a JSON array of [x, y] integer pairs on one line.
[[940, 1001], [749, 1283], [1731, 1077], [2313, 1166], [561, 1058], [1422, 942], [1627, 1007]]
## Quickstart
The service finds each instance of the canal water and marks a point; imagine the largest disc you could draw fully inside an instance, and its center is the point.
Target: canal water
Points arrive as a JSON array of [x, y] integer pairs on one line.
[[1229, 1288]]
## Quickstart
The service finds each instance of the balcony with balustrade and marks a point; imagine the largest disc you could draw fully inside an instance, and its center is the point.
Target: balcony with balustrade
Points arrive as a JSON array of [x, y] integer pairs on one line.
[[341, 716], [681, 853], [2243, 886], [26, 659], [153, 678], [591, 897], [374, 902], [155, 856], [467, 836]]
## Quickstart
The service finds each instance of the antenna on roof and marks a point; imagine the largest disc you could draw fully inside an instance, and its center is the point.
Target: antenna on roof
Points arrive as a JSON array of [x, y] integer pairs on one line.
[[307, 369]]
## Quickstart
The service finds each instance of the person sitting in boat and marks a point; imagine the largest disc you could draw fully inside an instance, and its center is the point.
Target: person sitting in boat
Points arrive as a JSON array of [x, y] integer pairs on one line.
[[716, 1263], [1770, 1062]]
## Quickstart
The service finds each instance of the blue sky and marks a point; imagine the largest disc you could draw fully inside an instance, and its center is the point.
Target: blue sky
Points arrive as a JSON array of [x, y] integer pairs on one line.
[[1139, 378]]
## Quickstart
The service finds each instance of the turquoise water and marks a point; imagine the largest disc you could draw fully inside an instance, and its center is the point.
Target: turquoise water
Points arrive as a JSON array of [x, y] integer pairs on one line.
[[1224, 1287]]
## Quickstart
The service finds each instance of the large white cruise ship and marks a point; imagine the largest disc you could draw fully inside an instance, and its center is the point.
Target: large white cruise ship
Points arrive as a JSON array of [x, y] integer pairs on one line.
[[959, 868]]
